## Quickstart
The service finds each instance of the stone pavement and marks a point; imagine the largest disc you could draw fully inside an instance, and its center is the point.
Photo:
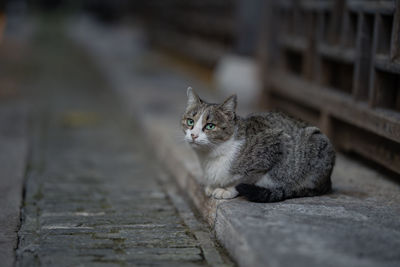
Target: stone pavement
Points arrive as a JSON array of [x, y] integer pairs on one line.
[[13, 155], [357, 225], [94, 195], [13, 139]]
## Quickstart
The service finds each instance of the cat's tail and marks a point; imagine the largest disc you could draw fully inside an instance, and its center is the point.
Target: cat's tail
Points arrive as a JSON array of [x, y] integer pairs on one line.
[[259, 194], [256, 193]]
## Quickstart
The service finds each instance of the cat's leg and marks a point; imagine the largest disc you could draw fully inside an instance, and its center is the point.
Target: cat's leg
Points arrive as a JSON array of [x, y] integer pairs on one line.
[[209, 191], [225, 193]]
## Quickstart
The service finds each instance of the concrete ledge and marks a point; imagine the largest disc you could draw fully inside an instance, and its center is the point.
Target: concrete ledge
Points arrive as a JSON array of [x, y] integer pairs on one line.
[[182, 164], [357, 225]]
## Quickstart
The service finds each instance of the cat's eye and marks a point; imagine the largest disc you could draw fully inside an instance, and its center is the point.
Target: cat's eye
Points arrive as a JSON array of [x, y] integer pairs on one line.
[[210, 126], [190, 122]]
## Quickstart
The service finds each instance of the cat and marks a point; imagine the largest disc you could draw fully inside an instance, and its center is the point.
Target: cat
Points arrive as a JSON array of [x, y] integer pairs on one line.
[[265, 157]]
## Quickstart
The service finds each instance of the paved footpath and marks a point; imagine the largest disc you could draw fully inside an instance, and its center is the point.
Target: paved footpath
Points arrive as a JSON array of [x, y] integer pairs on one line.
[[93, 196], [357, 225], [14, 146]]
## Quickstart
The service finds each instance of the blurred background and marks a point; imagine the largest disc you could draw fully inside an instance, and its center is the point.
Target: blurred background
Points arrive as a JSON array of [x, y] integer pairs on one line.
[[334, 63]]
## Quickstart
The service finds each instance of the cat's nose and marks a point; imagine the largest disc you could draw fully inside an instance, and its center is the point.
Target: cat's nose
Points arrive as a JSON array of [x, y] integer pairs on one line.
[[194, 136]]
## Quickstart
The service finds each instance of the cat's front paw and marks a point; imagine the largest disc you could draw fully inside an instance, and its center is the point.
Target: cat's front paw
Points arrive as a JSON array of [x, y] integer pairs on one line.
[[209, 191], [225, 193]]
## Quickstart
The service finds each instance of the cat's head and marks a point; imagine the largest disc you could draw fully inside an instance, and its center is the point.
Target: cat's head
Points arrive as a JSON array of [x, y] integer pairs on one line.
[[207, 125]]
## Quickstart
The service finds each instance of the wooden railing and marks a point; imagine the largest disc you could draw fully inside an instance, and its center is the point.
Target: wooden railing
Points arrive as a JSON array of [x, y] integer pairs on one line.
[[2, 24], [202, 30], [336, 63]]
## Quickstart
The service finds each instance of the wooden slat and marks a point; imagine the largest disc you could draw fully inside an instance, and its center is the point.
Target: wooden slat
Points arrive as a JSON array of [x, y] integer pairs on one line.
[[363, 58], [383, 62], [383, 123], [349, 29], [2, 25], [316, 5], [372, 6], [310, 52], [205, 52], [295, 43], [337, 52], [395, 45], [295, 109], [372, 87], [380, 150]]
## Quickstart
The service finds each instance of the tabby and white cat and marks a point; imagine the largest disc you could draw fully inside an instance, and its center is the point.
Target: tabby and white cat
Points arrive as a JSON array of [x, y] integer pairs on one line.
[[265, 157]]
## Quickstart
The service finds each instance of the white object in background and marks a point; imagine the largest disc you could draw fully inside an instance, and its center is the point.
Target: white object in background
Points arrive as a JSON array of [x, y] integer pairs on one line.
[[239, 75]]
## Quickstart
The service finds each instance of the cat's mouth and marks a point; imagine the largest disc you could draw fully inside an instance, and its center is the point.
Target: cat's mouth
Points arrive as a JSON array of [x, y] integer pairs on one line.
[[193, 143]]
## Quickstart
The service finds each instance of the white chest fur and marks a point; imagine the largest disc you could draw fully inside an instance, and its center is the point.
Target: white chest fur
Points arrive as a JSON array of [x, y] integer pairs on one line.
[[217, 163]]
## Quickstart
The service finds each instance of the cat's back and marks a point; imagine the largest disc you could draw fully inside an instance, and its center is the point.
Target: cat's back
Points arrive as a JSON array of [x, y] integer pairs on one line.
[[256, 123]]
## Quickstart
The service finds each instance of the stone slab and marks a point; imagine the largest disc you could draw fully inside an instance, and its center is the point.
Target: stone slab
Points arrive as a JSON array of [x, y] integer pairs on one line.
[[13, 157]]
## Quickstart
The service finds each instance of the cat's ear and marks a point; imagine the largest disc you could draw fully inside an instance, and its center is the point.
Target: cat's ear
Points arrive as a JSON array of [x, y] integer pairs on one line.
[[229, 105], [193, 98]]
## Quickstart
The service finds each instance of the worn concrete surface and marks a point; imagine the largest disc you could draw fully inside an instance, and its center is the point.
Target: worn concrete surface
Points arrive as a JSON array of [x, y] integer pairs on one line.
[[14, 143], [357, 225], [94, 196], [13, 156]]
